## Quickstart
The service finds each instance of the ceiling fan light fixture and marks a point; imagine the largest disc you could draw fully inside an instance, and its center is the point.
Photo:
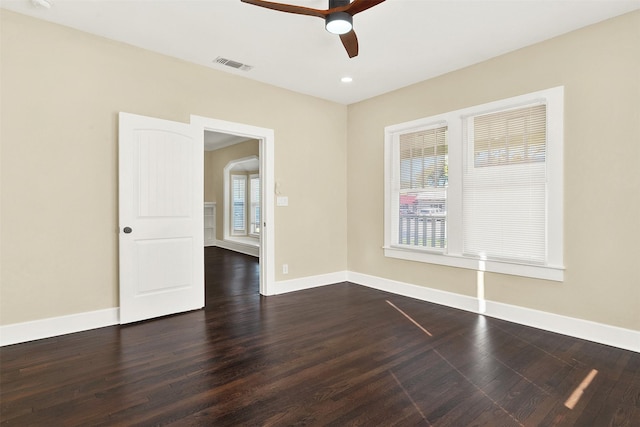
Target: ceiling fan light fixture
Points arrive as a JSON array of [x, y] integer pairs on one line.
[[339, 23]]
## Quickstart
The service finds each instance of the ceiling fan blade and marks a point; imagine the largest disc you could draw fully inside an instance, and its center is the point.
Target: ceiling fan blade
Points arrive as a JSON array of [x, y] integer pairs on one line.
[[290, 8], [350, 42], [358, 6]]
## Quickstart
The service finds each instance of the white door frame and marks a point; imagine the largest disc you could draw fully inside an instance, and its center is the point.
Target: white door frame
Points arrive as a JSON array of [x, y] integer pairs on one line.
[[266, 156]]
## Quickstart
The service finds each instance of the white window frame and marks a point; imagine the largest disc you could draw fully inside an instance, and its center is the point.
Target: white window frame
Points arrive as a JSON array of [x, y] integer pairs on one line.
[[227, 206], [234, 230], [395, 174], [252, 205], [453, 256]]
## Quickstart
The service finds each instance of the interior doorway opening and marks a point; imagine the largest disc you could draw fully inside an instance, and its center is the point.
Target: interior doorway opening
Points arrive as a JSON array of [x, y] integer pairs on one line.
[[232, 194], [244, 151]]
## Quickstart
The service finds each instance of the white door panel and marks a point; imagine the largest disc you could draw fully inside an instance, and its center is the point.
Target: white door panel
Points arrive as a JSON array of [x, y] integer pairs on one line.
[[161, 196], [164, 264]]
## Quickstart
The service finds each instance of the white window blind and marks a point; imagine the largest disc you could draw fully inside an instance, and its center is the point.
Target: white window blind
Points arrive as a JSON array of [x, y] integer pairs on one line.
[[238, 206], [422, 196], [254, 191], [504, 185]]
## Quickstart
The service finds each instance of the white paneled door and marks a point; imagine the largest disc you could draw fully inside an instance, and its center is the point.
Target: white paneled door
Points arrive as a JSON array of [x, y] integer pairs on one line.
[[161, 218]]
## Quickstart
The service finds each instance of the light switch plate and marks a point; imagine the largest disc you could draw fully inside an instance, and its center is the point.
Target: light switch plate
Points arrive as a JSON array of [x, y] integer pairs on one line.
[[282, 201]]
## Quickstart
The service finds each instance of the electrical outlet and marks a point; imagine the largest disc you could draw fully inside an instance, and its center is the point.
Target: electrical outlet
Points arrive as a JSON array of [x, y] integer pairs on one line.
[[285, 268]]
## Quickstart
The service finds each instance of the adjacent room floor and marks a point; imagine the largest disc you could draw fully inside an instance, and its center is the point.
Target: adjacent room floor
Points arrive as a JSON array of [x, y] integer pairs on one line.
[[336, 355]]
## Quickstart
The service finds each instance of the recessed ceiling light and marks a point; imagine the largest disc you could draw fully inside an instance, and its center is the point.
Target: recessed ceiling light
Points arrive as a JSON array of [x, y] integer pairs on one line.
[[346, 79]]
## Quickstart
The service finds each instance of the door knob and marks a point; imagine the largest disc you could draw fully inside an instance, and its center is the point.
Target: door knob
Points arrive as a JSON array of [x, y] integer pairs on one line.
[[127, 230]]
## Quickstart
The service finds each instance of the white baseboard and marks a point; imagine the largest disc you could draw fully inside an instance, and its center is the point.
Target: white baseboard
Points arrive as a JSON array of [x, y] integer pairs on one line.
[[239, 247], [54, 326], [436, 296], [597, 332], [285, 286], [584, 329]]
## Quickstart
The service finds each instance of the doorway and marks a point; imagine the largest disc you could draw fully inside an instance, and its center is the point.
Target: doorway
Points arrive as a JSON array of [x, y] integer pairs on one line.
[[231, 133]]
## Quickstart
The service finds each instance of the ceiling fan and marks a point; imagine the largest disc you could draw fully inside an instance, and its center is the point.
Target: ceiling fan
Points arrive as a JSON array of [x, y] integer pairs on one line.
[[338, 17]]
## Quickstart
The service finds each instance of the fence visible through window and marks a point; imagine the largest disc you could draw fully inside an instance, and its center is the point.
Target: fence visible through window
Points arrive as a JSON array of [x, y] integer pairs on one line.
[[428, 231]]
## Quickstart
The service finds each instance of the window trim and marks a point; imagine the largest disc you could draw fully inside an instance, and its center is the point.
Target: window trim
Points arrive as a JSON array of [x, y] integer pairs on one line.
[[250, 206], [453, 255], [395, 174], [233, 230], [226, 211]]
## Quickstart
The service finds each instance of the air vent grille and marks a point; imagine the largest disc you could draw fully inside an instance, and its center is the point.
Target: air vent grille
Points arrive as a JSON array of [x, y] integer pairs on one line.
[[233, 64]]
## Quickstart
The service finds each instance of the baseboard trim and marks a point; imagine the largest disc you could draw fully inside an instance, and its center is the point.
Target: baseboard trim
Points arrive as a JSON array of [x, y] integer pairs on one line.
[[238, 247], [285, 286], [422, 293], [584, 329], [578, 328], [54, 326]]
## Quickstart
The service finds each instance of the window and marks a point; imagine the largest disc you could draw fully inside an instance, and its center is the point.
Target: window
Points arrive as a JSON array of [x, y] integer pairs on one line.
[[254, 196], [504, 183], [238, 204], [422, 197], [242, 213], [480, 187]]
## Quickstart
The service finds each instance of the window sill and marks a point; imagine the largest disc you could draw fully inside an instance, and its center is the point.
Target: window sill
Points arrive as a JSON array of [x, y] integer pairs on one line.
[[533, 271], [244, 240]]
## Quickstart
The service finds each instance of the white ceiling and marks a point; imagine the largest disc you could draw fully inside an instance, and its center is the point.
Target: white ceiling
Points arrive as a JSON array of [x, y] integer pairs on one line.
[[216, 140], [250, 165], [401, 41]]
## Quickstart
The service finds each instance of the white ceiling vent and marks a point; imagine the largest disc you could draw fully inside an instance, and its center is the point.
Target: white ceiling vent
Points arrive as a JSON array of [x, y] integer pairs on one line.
[[233, 64]]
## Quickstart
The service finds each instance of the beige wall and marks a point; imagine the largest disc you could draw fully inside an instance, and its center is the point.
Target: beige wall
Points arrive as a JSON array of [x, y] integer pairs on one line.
[[214, 164], [600, 69], [61, 92]]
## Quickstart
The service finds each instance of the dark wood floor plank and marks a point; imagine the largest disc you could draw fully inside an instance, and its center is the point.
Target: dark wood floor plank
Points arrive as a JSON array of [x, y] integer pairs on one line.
[[335, 355]]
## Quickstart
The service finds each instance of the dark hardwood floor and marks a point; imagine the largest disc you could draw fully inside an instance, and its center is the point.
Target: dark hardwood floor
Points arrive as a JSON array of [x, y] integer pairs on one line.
[[337, 355]]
